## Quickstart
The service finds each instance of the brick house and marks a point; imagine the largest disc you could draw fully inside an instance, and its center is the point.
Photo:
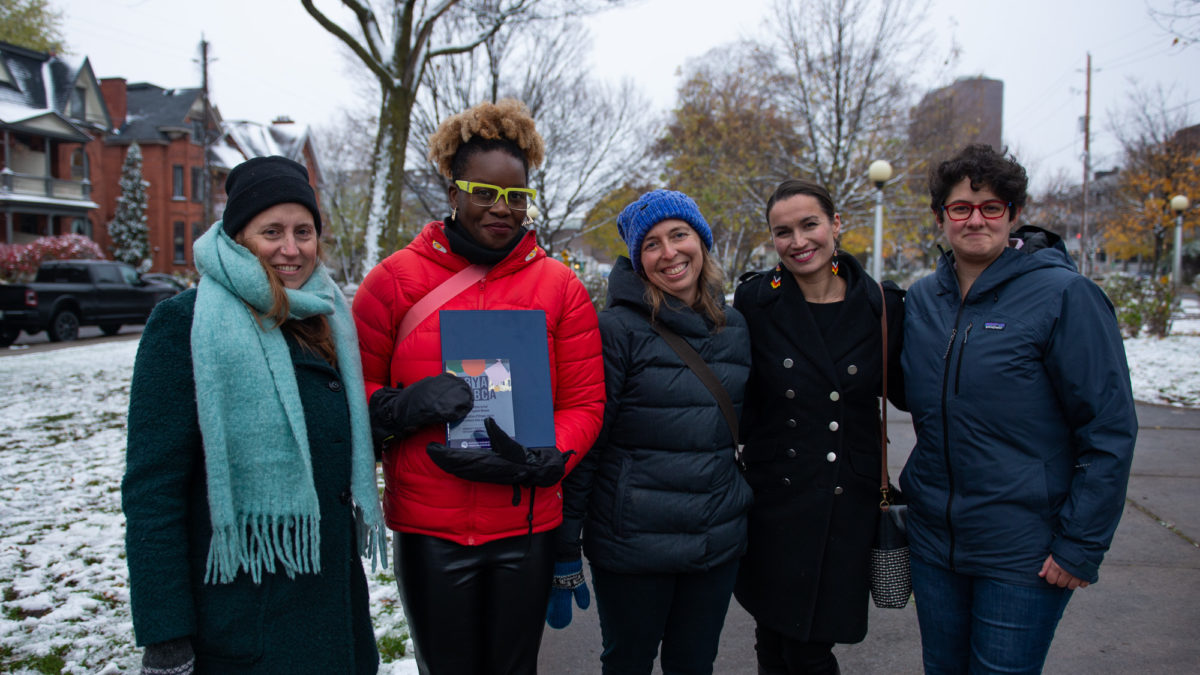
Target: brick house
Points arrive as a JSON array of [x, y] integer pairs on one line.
[[65, 136], [52, 116]]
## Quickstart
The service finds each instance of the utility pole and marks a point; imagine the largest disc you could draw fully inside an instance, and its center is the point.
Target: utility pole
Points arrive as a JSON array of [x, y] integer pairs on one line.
[[208, 179], [1085, 241]]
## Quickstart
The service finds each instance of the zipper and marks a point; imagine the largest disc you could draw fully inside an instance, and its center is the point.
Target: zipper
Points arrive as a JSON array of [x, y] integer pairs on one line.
[[961, 350], [946, 430]]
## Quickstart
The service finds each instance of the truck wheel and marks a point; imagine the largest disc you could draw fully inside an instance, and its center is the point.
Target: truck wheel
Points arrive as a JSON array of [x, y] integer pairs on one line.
[[9, 336], [64, 327], [110, 328]]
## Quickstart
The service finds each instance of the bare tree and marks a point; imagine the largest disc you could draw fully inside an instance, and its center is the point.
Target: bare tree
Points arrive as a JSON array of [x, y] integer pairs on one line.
[[397, 51], [1180, 18], [849, 64], [595, 134]]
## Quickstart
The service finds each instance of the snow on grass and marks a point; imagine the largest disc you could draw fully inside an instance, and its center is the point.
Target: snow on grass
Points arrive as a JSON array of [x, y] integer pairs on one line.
[[63, 580]]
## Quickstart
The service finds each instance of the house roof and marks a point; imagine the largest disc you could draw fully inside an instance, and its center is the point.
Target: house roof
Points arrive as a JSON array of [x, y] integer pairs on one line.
[[245, 139], [152, 111], [35, 86]]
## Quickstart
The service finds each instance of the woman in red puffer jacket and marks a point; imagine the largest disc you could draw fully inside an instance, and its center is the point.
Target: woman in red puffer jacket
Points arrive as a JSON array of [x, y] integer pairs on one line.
[[474, 555]]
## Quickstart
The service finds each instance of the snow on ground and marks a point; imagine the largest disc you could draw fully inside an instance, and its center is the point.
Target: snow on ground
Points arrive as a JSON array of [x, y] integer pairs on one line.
[[62, 442], [63, 578]]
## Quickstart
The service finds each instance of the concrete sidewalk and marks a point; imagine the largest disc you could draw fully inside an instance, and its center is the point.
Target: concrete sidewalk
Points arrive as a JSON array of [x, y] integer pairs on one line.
[[1143, 616]]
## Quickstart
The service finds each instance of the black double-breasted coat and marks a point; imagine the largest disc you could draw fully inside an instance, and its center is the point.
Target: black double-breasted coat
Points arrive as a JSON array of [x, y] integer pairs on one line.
[[811, 430]]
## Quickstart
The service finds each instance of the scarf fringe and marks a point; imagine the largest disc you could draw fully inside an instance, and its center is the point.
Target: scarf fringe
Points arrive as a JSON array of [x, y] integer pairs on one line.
[[372, 540], [259, 541]]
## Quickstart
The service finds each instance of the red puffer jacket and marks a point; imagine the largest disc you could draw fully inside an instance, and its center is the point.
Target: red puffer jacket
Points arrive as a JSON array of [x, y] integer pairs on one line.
[[420, 497]]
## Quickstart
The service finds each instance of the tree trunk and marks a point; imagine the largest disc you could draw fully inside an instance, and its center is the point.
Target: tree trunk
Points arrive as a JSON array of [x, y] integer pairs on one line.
[[384, 221]]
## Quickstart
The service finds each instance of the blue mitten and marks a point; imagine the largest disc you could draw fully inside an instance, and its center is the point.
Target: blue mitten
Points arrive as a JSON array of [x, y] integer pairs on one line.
[[568, 581]]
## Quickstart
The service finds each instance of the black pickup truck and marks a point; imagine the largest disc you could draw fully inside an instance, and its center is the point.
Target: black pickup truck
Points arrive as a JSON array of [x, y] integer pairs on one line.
[[67, 294]]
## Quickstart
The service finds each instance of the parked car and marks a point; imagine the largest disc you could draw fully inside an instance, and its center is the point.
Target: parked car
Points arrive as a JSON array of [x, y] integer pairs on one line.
[[168, 279], [67, 294]]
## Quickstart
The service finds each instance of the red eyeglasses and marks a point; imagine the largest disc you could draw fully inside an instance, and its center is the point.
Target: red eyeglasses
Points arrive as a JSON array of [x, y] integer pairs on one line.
[[991, 209]]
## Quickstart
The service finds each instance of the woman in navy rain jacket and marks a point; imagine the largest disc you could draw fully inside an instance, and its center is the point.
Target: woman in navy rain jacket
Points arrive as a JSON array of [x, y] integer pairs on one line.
[[1016, 377]]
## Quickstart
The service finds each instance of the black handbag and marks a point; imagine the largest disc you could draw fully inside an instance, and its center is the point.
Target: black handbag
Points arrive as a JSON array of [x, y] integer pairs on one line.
[[891, 581]]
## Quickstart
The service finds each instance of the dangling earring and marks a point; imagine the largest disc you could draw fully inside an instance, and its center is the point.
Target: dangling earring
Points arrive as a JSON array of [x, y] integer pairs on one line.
[[834, 266], [528, 221], [453, 213]]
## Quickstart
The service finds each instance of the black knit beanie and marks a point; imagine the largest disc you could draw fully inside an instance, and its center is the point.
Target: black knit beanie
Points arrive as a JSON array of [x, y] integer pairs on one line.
[[259, 183]]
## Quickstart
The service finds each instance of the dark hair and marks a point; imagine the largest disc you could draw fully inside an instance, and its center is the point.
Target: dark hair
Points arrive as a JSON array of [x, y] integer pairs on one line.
[[800, 186], [986, 168], [477, 145]]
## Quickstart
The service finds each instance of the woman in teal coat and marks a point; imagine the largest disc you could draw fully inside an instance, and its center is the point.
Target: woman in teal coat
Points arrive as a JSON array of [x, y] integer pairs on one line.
[[249, 491]]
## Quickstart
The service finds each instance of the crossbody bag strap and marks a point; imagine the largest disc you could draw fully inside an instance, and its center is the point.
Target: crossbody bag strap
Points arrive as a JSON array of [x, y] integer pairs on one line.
[[439, 296], [885, 497], [702, 371]]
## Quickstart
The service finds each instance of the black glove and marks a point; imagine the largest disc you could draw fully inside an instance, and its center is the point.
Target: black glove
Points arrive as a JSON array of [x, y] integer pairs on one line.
[[401, 411], [173, 656], [507, 462]]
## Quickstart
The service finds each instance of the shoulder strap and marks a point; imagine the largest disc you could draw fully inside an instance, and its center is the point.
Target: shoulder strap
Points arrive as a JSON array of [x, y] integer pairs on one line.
[[885, 497], [702, 371], [439, 296]]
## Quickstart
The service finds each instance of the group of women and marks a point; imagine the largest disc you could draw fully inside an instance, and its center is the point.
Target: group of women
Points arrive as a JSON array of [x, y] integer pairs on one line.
[[700, 452]]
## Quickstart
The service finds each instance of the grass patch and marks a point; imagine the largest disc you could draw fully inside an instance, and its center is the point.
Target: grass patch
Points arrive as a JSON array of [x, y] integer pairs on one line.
[[57, 418], [393, 647], [49, 664]]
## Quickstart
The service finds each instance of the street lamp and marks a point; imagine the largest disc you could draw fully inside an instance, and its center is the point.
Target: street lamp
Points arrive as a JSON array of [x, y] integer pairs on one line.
[[879, 172], [1179, 204]]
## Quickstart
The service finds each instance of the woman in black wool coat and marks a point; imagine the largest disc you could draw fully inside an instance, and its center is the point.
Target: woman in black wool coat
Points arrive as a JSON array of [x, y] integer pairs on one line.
[[811, 430]]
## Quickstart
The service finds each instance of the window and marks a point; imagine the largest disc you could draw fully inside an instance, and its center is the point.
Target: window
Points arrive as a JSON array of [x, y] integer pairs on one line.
[[177, 182], [197, 230], [129, 274], [78, 164], [197, 184], [82, 226], [179, 241], [79, 103], [107, 274]]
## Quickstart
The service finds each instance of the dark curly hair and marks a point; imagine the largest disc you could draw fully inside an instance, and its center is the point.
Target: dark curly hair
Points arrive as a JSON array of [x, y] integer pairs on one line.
[[986, 168], [505, 125]]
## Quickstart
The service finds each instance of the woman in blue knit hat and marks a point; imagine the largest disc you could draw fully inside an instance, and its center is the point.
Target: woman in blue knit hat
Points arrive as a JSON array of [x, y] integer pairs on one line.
[[249, 491], [659, 499]]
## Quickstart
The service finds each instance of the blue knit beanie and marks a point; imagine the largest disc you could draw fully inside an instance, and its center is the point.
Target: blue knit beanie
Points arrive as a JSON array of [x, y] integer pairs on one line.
[[651, 209]]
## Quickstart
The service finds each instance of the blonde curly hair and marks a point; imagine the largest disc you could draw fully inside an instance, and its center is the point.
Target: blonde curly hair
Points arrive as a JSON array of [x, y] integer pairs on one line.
[[505, 125]]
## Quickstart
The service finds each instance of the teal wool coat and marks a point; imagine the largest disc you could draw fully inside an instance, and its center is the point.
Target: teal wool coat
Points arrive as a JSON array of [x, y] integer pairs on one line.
[[313, 623]]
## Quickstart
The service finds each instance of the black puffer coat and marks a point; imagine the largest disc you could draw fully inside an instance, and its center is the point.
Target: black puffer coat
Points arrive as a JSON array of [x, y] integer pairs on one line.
[[660, 492], [811, 428]]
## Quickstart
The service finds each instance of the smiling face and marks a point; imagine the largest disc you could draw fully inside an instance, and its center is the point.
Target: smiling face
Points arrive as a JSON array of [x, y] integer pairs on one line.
[[492, 226], [805, 237], [285, 239], [673, 258], [976, 241]]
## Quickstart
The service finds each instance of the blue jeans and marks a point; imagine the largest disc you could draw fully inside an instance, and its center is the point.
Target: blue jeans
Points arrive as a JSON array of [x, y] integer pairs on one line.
[[977, 625], [684, 612]]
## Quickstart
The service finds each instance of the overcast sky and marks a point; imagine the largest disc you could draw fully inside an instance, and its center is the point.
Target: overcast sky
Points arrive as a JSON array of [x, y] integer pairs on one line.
[[273, 59]]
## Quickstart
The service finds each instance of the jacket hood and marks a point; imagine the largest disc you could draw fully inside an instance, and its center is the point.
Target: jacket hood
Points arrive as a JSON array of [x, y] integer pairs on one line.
[[1030, 248]]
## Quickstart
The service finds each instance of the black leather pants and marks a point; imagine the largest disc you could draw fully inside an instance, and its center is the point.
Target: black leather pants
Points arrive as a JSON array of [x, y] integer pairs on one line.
[[475, 610]]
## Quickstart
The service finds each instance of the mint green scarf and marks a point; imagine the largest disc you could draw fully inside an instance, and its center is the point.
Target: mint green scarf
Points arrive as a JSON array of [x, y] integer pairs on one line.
[[260, 483]]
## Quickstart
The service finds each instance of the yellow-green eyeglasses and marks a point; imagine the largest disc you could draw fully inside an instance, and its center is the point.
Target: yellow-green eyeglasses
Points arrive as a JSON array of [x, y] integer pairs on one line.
[[483, 194]]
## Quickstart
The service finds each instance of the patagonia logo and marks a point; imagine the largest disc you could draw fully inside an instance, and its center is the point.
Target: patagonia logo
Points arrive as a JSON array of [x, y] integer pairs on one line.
[[994, 325]]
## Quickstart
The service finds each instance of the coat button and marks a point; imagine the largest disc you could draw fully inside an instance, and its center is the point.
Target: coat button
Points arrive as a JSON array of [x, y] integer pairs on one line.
[[833, 396], [852, 369], [790, 393], [786, 481], [345, 497], [787, 363], [791, 453], [791, 424], [831, 457], [837, 490], [833, 426], [335, 385]]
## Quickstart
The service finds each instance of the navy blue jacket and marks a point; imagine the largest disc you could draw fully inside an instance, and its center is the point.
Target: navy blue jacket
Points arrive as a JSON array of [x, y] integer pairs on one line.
[[1024, 416], [660, 491]]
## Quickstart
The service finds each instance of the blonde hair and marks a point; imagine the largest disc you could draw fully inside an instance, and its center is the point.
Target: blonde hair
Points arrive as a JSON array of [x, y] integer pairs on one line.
[[505, 125]]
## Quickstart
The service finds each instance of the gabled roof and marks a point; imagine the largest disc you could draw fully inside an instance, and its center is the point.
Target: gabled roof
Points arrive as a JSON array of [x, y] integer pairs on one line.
[[152, 111], [36, 86], [261, 140]]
